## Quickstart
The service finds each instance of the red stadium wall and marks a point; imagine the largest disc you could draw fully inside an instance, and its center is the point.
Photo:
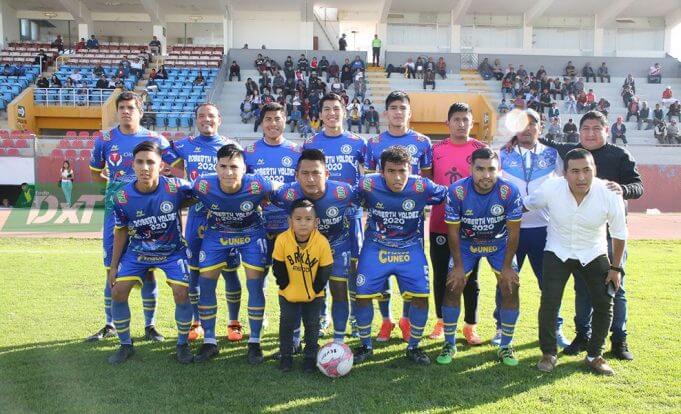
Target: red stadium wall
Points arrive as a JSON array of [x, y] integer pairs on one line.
[[662, 184]]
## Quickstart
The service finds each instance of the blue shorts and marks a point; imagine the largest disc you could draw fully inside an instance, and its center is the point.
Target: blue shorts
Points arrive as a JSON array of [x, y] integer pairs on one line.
[[108, 237], [377, 263], [217, 248], [193, 233], [471, 253], [341, 251], [134, 267]]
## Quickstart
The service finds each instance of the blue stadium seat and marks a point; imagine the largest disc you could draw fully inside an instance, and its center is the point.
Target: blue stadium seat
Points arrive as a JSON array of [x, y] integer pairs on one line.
[[161, 120], [173, 121]]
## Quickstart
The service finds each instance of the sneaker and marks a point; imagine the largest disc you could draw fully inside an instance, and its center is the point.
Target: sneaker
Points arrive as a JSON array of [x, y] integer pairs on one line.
[[122, 354], [354, 332], [507, 356], [195, 332], [386, 327], [286, 364], [547, 363], [107, 331], [471, 335], [577, 346], [599, 366], [561, 340], [438, 330], [620, 350], [362, 353], [207, 352], [447, 353], [497, 338], [234, 333], [418, 356], [309, 365], [254, 354], [183, 354], [151, 334], [405, 327]]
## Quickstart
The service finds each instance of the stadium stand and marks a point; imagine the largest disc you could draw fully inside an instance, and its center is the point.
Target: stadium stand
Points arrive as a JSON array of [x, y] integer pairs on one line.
[[13, 84], [194, 56]]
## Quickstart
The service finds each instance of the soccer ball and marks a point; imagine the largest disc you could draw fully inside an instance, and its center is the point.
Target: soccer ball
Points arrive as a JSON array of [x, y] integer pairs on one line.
[[334, 359]]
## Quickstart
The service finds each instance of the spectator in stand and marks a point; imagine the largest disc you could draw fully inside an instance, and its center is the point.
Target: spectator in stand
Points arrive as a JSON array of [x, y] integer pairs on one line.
[[627, 95], [660, 132], [26, 196], [507, 87], [294, 119], [420, 67], [519, 102], [578, 86], [162, 73], [112, 83], [137, 68], [590, 100], [603, 72], [632, 109], [581, 102], [152, 85], [334, 71], [603, 106], [644, 116], [485, 69], [58, 43], [148, 120], [314, 65], [674, 111], [667, 96], [429, 79], [619, 131], [511, 73], [441, 67], [235, 71], [303, 64], [76, 77], [199, 80], [250, 86], [98, 70], [545, 100], [541, 72], [554, 112], [570, 132], [102, 83], [305, 127], [342, 43], [81, 44], [570, 69], [41, 59], [630, 82], [264, 82], [336, 86], [346, 77], [120, 71], [354, 111], [409, 68], [554, 132], [155, 46], [92, 43], [522, 72], [5, 203], [673, 136], [588, 72], [278, 82], [658, 115], [42, 82], [323, 67], [315, 124], [371, 118], [430, 64], [498, 70], [359, 85], [366, 104], [655, 75], [357, 64], [504, 107]]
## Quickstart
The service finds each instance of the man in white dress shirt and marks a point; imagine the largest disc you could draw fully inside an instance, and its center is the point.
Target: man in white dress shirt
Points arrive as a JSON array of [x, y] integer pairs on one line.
[[581, 208]]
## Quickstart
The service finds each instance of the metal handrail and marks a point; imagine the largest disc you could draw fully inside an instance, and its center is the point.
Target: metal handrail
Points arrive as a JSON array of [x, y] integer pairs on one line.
[[216, 88], [72, 96]]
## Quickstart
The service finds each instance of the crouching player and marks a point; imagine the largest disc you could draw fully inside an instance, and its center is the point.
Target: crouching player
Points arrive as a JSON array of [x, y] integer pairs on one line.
[[148, 235], [301, 263], [483, 215], [395, 200]]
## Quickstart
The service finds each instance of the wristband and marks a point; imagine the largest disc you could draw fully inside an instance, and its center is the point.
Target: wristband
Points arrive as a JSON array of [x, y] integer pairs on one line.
[[617, 269]]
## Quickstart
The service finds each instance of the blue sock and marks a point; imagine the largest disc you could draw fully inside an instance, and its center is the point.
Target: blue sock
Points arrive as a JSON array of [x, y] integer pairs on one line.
[[339, 313], [364, 315], [107, 304], [508, 319], [384, 305], [120, 311], [183, 319], [256, 307], [352, 291], [149, 296], [450, 317], [406, 305], [194, 293], [232, 294], [418, 318], [208, 308]]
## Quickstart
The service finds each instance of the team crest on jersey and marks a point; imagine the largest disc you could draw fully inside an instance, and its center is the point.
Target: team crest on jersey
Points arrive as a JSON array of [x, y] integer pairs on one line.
[[106, 136], [412, 149], [246, 206], [290, 195], [250, 148], [497, 210], [468, 212], [203, 187], [255, 187], [459, 192], [139, 213], [171, 187], [167, 207], [194, 175], [504, 191], [122, 197], [341, 194], [115, 159], [418, 186], [361, 280], [408, 205], [542, 163], [346, 149], [287, 161], [368, 184], [440, 240], [332, 212]]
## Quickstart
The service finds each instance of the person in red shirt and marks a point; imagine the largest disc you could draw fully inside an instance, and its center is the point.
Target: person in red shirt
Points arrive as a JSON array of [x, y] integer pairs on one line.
[[590, 100], [451, 162]]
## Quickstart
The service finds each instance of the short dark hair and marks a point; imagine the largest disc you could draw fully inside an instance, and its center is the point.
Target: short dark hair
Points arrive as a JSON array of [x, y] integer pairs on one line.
[[230, 151], [594, 115], [301, 203], [459, 107], [311, 154], [331, 97], [201, 105], [396, 154], [483, 154], [577, 154], [147, 146], [396, 96], [271, 107], [129, 96]]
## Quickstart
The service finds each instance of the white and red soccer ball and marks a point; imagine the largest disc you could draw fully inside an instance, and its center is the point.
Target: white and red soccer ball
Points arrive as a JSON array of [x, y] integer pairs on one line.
[[334, 359]]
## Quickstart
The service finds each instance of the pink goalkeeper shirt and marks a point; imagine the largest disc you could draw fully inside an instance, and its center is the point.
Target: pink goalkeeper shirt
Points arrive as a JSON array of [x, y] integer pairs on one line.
[[451, 162]]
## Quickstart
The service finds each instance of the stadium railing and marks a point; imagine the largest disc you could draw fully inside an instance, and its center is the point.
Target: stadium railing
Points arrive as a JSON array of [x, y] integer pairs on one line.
[[71, 96]]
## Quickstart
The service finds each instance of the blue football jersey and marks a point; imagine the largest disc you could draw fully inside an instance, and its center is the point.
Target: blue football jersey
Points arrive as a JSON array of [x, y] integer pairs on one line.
[[331, 207], [199, 154], [483, 216], [344, 155], [396, 219], [419, 147], [275, 163], [153, 219], [233, 213]]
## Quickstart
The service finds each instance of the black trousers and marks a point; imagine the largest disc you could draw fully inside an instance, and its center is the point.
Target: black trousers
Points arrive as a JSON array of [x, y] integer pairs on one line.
[[555, 276], [439, 257], [376, 53], [289, 320]]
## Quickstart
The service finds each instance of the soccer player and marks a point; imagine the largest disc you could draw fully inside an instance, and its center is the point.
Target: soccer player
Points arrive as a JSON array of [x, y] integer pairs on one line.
[[331, 201], [148, 234], [198, 157], [345, 156], [451, 162], [393, 245], [113, 151], [527, 164], [483, 214], [235, 222], [398, 114]]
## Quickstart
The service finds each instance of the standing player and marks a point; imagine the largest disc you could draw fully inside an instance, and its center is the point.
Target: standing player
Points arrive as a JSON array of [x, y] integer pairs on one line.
[[113, 151], [331, 201], [483, 215], [148, 234], [451, 162], [232, 198], [345, 156], [395, 200], [398, 114], [198, 157]]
